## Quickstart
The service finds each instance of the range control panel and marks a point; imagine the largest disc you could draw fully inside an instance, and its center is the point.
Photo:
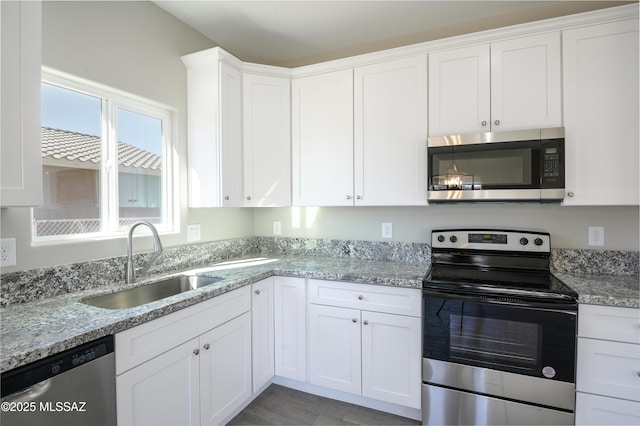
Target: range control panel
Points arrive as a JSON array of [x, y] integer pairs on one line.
[[488, 239]]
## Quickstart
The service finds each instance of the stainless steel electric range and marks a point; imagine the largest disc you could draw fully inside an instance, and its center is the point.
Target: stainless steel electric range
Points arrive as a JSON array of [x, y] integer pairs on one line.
[[499, 331]]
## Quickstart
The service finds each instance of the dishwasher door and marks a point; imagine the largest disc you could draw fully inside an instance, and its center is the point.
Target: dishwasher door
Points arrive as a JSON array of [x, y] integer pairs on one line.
[[75, 387]]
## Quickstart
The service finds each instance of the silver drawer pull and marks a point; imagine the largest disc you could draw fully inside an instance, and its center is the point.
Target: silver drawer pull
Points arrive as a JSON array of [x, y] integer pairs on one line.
[[354, 320], [206, 346], [366, 322], [196, 351], [361, 297], [257, 291]]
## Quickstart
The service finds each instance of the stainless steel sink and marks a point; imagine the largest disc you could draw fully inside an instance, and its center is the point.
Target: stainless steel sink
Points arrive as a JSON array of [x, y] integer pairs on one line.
[[150, 292]]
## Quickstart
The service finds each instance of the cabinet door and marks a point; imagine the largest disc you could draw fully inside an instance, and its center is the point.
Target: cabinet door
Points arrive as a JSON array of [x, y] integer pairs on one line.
[[459, 91], [267, 141], [21, 168], [162, 391], [600, 85], [600, 410], [231, 135], [525, 83], [225, 380], [322, 139], [290, 319], [391, 358], [390, 132], [334, 348], [262, 339]]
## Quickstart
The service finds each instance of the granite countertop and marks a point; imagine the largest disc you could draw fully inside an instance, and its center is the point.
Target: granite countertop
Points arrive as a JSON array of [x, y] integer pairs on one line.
[[613, 290], [35, 330]]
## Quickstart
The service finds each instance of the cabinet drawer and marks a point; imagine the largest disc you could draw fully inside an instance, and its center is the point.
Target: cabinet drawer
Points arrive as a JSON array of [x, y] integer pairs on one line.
[[600, 410], [608, 368], [393, 300], [141, 343], [609, 323]]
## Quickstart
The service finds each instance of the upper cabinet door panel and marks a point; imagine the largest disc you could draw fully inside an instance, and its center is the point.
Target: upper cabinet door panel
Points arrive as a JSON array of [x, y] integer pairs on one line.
[[231, 135], [600, 85], [525, 83], [390, 135], [20, 150], [267, 141], [459, 91], [322, 138]]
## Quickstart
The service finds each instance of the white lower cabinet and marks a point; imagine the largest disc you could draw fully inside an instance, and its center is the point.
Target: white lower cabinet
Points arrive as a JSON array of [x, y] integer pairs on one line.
[[608, 366], [290, 318], [262, 332], [373, 351], [200, 380]]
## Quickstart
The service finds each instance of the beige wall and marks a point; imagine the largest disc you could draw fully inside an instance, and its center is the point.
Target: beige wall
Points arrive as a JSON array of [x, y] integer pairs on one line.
[[568, 225]]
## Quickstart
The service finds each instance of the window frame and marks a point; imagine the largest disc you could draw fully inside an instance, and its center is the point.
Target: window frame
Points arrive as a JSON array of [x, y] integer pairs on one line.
[[112, 100]]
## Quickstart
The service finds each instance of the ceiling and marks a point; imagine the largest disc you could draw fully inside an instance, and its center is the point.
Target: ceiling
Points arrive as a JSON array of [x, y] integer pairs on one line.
[[295, 33]]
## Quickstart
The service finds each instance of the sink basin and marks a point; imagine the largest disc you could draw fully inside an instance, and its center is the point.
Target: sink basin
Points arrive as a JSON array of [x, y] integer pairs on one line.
[[150, 292]]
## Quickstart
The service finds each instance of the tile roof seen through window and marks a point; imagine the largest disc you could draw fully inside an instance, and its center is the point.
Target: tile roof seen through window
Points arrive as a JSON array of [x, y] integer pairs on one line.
[[64, 145]]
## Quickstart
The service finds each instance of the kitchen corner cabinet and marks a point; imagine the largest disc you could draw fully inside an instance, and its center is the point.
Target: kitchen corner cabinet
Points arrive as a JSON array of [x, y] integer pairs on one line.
[[290, 318], [262, 332], [322, 139], [189, 367], [505, 85], [20, 152], [600, 84], [214, 127], [267, 140], [366, 340], [608, 366]]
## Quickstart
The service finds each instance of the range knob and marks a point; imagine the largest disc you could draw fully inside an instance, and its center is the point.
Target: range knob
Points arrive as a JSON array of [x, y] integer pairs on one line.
[[538, 241], [524, 241], [441, 238], [453, 238]]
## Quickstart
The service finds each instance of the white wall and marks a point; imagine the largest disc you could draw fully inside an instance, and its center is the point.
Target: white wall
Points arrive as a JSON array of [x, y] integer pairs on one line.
[[568, 225], [135, 47]]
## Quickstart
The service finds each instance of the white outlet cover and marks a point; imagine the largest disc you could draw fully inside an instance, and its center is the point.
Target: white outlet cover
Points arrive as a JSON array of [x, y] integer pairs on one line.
[[596, 236], [277, 228], [8, 255], [193, 232], [387, 230]]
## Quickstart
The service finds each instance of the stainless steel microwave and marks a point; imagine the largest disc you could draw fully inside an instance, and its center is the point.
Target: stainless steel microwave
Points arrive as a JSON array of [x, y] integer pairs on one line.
[[521, 165]]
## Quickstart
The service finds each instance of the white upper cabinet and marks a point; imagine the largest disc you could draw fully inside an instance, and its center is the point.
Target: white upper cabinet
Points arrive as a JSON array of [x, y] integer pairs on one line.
[[601, 114], [267, 140], [20, 152], [322, 139], [390, 132], [214, 125], [505, 85]]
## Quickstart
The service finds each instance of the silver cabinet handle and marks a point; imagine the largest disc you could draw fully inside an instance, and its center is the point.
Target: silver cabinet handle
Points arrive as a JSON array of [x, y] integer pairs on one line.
[[206, 346], [571, 194], [196, 351], [484, 123], [360, 297], [497, 122], [358, 197], [248, 197], [226, 197], [257, 291], [366, 322], [354, 320], [348, 197]]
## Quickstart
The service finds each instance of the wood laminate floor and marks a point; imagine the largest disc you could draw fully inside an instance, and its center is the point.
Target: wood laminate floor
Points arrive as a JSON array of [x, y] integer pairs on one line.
[[279, 405]]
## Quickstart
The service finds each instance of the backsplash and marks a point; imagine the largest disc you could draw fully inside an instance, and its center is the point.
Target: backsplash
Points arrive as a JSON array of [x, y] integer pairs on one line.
[[38, 284]]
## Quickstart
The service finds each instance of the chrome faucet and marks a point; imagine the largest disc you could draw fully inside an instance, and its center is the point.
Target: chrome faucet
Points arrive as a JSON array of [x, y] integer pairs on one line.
[[157, 247]]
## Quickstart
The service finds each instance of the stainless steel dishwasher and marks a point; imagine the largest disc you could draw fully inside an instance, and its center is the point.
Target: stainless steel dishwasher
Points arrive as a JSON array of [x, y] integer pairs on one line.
[[74, 387]]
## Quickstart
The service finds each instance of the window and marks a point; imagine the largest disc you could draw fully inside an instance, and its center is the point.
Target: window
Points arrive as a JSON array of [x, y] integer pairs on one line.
[[106, 159]]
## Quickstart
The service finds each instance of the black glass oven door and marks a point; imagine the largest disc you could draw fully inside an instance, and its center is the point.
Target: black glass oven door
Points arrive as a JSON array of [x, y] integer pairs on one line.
[[501, 335]]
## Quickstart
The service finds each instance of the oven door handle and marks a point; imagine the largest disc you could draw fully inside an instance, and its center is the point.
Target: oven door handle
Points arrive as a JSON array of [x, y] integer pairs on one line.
[[563, 306]]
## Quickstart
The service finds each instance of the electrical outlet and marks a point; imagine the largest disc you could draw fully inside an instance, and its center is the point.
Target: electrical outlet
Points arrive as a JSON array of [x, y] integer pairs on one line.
[[8, 252], [596, 235], [277, 228], [387, 230], [193, 232]]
